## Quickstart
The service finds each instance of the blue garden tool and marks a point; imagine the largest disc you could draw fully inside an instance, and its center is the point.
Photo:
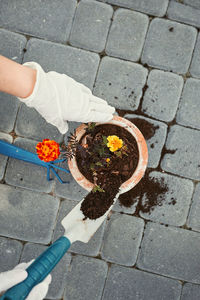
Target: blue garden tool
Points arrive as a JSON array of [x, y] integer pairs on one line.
[[19, 153], [77, 228]]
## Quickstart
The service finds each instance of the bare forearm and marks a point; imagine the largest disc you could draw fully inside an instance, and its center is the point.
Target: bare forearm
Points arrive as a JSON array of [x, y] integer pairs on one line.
[[16, 79]]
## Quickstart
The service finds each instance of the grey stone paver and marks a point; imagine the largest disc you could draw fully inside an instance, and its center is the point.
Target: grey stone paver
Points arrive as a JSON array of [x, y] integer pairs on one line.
[[59, 273], [162, 96], [190, 291], [27, 175], [29, 123], [156, 142], [184, 159], [8, 111], [170, 251], [193, 218], [125, 283], [128, 28], [27, 215], [12, 45], [169, 45], [122, 239], [194, 3], [79, 64], [3, 159], [92, 247], [91, 25], [183, 13], [151, 7], [127, 210], [85, 279], [10, 251], [45, 19], [189, 108], [195, 65], [175, 203], [120, 83]]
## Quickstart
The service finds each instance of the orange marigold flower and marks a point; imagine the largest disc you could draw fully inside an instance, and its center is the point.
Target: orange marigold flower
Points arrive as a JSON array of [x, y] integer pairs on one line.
[[114, 143], [48, 150], [107, 159]]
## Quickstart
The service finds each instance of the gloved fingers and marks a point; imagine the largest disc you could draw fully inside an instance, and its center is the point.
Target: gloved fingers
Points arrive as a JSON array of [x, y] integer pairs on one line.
[[104, 108], [85, 89], [39, 291], [96, 116], [11, 278], [98, 100]]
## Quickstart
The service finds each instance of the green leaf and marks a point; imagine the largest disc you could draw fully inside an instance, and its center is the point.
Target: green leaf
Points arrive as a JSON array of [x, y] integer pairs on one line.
[[92, 166], [99, 164], [97, 188], [105, 141]]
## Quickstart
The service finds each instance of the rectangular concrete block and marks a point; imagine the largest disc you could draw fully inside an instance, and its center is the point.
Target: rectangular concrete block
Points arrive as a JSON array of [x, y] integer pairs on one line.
[[162, 96], [182, 157], [195, 65], [12, 45], [174, 204], [193, 218], [127, 283], [190, 291], [27, 175], [189, 107], [3, 159], [59, 273], [122, 239], [127, 34], [8, 112], [27, 215], [170, 251], [85, 279], [91, 24], [45, 19], [193, 3], [10, 252], [79, 64], [183, 13], [169, 45], [151, 7], [120, 83]]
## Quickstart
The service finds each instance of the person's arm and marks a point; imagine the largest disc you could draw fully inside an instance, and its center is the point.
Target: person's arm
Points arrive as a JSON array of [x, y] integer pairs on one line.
[[57, 97], [16, 79]]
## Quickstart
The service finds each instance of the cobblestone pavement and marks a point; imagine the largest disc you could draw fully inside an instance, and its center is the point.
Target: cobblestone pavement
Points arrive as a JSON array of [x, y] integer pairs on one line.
[[142, 56]]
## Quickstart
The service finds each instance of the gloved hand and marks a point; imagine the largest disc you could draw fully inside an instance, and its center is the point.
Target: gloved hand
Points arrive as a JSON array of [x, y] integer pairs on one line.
[[10, 278], [59, 98]]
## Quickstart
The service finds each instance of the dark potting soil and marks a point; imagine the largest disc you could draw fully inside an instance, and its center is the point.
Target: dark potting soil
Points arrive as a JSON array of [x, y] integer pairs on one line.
[[108, 177], [152, 188], [154, 191]]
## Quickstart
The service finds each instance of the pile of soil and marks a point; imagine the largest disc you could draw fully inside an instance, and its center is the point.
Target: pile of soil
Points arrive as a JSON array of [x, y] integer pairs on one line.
[[154, 191], [110, 176]]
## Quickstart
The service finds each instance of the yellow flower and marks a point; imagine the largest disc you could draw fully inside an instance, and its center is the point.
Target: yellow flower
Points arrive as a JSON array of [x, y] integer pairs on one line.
[[114, 143], [107, 159]]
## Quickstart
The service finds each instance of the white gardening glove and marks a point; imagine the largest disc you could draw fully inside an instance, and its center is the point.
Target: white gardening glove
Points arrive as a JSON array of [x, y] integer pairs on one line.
[[10, 278], [59, 98]]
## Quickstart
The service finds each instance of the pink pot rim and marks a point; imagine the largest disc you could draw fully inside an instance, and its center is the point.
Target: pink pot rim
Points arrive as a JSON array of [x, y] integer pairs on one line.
[[142, 163]]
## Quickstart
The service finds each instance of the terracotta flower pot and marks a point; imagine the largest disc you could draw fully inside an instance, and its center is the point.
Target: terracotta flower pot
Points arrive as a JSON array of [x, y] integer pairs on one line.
[[142, 163]]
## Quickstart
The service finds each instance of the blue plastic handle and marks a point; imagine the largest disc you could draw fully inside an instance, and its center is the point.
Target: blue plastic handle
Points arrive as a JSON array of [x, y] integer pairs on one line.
[[39, 269], [19, 153]]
